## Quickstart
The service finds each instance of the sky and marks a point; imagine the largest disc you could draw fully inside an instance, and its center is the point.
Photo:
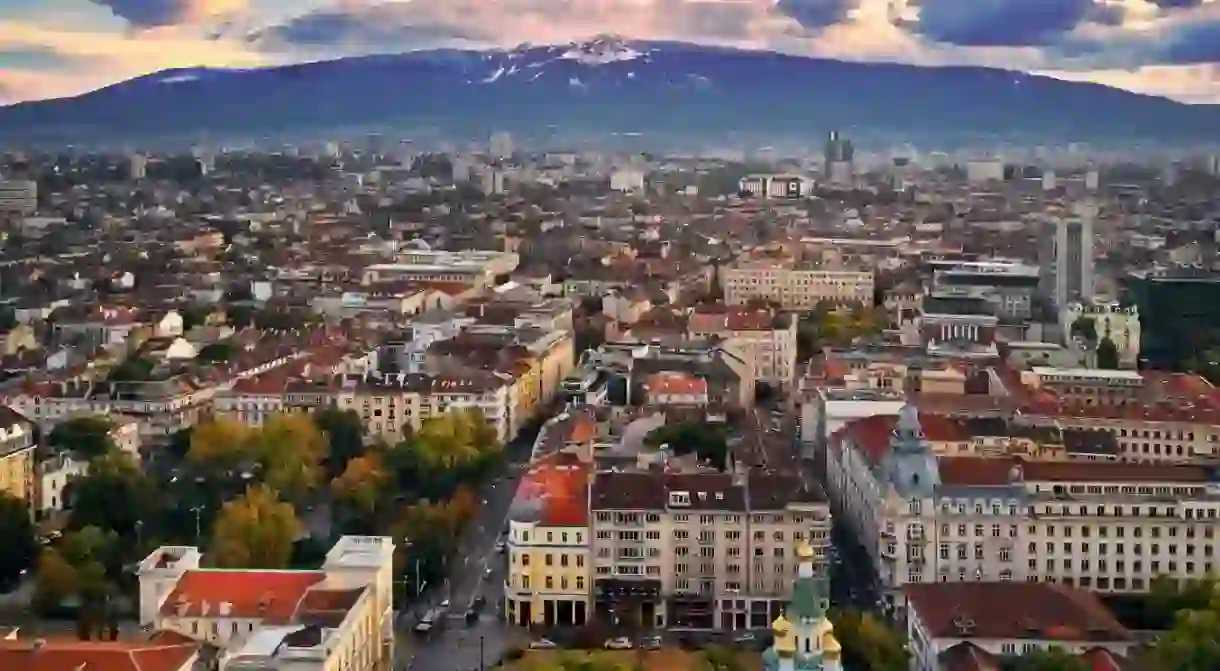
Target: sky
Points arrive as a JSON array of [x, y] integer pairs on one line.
[[53, 48]]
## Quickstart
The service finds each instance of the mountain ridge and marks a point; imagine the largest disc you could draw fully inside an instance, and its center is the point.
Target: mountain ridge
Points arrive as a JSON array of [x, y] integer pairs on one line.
[[608, 86]]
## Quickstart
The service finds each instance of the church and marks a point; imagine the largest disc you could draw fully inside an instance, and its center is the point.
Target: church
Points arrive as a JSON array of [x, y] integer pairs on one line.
[[804, 636]]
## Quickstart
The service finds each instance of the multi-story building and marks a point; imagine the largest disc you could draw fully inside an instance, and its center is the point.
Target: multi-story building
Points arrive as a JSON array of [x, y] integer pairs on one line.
[[700, 549], [549, 569], [1074, 255], [770, 334], [18, 196], [477, 268], [950, 625], [1179, 308], [776, 186], [1103, 525], [389, 403], [337, 617], [1007, 287], [16, 456], [794, 285]]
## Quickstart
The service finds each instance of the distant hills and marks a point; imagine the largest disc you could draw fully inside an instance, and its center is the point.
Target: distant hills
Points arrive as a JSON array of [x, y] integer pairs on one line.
[[607, 87]]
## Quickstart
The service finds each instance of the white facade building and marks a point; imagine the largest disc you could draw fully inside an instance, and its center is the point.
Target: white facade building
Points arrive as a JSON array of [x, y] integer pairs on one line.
[[18, 196], [1111, 320]]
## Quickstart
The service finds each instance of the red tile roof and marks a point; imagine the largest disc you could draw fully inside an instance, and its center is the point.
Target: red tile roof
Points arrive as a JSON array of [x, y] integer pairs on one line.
[[270, 595], [74, 655], [561, 482], [1030, 611]]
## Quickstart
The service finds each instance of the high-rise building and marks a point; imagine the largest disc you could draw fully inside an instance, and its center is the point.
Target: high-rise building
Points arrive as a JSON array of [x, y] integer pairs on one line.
[[838, 150], [501, 146], [1074, 255], [1049, 181], [137, 167]]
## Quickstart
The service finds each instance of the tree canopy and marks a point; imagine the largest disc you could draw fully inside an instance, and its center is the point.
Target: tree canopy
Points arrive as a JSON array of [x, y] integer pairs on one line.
[[256, 530], [115, 495], [1107, 354], [708, 441], [84, 438], [868, 643], [20, 544]]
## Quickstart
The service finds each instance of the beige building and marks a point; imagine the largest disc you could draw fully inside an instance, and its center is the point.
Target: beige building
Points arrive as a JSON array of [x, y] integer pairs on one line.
[[337, 618], [476, 268], [389, 403], [549, 569], [1106, 526], [700, 549], [794, 285], [770, 335]]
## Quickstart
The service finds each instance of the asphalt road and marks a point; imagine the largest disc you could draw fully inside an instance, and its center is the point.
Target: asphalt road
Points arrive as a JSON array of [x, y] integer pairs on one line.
[[459, 645]]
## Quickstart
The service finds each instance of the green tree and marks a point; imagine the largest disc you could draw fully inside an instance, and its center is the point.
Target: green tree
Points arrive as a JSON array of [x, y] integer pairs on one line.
[[115, 495], [707, 441], [256, 530], [85, 437], [1085, 327], [217, 352], [1054, 659], [20, 544], [719, 658], [291, 450], [344, 432], [868, 644], [1192, 645], [132, 369], [1107, 354]]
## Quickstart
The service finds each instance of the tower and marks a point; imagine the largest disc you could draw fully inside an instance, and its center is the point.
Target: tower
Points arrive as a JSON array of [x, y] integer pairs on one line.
[[1074, 255], [910, 465], [804, 636]]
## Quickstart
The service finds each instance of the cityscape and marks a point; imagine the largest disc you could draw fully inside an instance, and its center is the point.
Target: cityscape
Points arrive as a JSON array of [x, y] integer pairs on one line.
[[345, 406]]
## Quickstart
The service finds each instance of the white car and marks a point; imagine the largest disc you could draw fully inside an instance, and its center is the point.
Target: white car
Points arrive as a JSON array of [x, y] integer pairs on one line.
[[620, 643], [543, 644]]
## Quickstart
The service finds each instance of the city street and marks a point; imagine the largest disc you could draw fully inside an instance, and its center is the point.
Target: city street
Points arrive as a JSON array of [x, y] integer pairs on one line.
[[458, 645]]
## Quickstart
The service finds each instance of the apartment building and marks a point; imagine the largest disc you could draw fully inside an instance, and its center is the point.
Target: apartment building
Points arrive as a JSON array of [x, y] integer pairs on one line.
[[16, 455], [769, 334], [1102, 525], [476, 268], [958, 626], [388, 403], [337, 617], [549, 579], [701, 549], [794, 285], [1087, 386]]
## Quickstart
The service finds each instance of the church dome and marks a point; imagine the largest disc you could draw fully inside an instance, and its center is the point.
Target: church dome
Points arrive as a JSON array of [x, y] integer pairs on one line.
[[804, 552], [781, 626]]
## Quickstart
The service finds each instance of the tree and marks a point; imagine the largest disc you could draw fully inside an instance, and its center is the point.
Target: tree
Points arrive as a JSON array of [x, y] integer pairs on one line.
[[344, 432], [220, 445], [1085, 327], [132, 369], [868, 643], [20, 544], [1053, 659], [217, 352], [1192, 645], [707, 441], [256, 530], [360, 486], [84, 437], [290, 449], [55, 581], [115, 495], [1107, 354]]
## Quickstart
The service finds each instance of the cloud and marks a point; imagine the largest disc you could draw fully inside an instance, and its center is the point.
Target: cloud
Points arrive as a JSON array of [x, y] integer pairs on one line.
[[153, 13], [1005, 22], [1177, 4], [33, 58], [362, 24], [817, 14]]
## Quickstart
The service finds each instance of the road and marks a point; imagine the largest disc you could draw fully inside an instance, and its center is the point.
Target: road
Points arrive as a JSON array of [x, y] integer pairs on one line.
[[458, 645]]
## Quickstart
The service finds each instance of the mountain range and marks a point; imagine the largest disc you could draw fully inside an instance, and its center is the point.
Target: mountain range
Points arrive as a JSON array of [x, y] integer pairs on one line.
[[611, 87]]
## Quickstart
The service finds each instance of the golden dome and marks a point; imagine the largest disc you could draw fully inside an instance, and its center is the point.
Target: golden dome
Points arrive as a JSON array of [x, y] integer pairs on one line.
[[830, 645], [804, 552], [781, 626]]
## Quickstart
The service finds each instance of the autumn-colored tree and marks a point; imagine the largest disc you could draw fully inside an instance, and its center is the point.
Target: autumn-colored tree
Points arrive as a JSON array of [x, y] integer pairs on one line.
[[1192, 645], [361, 485], [291, 450], [54, 581], [463, 506], [256, 530], [220, 445], [868, 643], [719, 658], [1053, 659]]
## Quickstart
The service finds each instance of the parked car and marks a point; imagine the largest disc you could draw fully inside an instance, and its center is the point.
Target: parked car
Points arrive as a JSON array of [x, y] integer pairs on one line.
[[620, 643], [744, 637], [652, 643], [543, 644]]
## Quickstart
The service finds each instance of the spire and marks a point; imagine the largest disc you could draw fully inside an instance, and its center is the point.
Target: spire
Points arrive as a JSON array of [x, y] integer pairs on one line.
[[908, 433]]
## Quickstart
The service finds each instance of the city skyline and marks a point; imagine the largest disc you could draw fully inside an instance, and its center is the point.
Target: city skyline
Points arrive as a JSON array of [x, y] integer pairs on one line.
[[53, 48]]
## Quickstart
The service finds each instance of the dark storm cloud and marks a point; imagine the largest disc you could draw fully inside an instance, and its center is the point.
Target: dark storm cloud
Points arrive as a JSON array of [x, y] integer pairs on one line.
[[1177, 4], [153, 13], [816, 14], [1005, 23], [1190, 44], [377, 26]]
